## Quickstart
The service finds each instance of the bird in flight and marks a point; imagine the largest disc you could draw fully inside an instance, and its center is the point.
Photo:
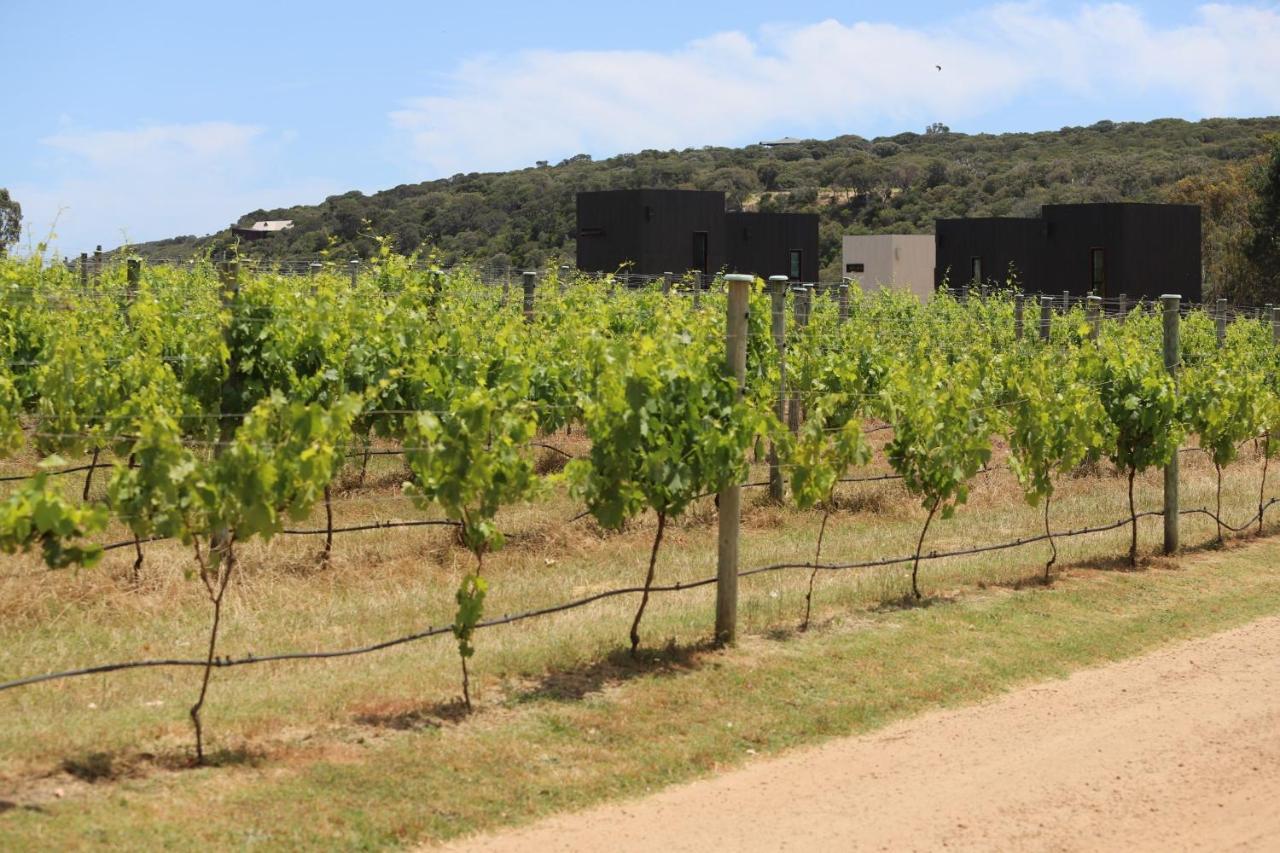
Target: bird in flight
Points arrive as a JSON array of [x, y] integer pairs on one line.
[[939, 67]]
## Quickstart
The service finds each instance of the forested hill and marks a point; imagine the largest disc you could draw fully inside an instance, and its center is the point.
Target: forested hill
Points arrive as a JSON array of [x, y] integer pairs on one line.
[[889, 184]]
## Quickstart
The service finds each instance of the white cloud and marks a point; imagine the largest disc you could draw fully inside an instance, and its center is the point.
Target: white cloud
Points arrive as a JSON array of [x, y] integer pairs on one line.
[[1228, 60], [502, 112], [159, 146], [157, 181]]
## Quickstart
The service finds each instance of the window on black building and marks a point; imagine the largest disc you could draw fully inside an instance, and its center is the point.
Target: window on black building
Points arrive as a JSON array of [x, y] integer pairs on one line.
[[699, 251], [975, 269], [1098, 271], [796, 255]]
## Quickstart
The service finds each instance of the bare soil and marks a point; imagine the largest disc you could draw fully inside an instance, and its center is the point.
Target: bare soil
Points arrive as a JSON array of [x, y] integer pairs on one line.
[[1175, 750]]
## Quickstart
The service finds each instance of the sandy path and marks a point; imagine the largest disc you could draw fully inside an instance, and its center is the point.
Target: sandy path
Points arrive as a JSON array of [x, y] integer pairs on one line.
[[1176, 750]]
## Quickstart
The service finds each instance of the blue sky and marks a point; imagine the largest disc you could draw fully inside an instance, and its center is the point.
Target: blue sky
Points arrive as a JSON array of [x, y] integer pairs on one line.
[[154, 119]]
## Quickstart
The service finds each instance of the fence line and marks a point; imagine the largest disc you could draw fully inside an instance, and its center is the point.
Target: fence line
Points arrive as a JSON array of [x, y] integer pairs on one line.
[[508, 619], [310, 265]]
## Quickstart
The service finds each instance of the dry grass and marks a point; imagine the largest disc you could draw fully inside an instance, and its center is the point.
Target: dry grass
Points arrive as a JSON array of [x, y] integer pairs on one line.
[[385, 583]]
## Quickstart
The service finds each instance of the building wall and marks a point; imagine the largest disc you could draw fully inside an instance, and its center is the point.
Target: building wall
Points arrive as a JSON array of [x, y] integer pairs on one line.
[[653, 230], [913, 259], [667, 222], [650, 229], [903, 261], [1149, 249], [761, 243], [1003, 244], [608, 229], [1072, 232], [873, 254], [1162, 251]]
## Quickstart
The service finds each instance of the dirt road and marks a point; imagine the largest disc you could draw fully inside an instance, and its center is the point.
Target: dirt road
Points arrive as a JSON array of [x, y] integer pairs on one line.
[[1176, 750]]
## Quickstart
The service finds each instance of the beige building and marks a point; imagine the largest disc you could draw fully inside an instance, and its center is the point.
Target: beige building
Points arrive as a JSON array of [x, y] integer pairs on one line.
[[903, 261]]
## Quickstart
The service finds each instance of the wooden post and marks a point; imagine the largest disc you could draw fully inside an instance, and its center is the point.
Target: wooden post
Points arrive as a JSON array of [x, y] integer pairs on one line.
[[84, 270], [97, 264], [800, 308], [506, 288], [1046, 316], [563, 277], [1017, 315], [132, 277], [843, 298], [731, 496], [530, 282], [1171, 357], [1066, 301], [667, 279], [314, 268], [1093, 313], [697, 292], [778, 300], [1220, 321], [229, 277], [355, 272], [1275, 325], [964, 292], [1122, 309]]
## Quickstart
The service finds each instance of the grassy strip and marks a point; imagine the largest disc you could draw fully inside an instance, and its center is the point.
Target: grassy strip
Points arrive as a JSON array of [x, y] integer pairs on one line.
[[612, 729]]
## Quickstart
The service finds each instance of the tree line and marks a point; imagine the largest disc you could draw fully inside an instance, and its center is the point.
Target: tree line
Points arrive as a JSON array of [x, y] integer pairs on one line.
[[895, 184]]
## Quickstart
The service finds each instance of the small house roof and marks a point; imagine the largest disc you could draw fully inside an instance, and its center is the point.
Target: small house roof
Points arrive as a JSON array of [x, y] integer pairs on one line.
[[271, 225], [786, 140]]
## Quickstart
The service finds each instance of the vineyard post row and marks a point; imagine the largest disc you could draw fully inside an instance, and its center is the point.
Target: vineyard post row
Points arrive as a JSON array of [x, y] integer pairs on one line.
[[739, 287], [735, 336], [729, 513], [778, 326], [730, 502], [1171, 318]]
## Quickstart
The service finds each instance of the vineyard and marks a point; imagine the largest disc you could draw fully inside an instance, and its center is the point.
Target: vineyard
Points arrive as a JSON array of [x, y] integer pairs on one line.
[[177, 423]]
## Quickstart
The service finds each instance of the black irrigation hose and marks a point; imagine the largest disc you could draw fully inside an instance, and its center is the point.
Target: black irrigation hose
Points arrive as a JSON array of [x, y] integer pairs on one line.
[[940, 555], [16, 477], [545, 446], [508, 619], [319, 531], [432, 631], [377, 525], [125, 544], [876, 478], [1214, 516]]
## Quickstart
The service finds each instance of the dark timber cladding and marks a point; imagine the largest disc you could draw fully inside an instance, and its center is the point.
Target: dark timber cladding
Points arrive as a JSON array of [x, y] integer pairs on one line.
[[1140, 250], [774, 244], [678, 231]]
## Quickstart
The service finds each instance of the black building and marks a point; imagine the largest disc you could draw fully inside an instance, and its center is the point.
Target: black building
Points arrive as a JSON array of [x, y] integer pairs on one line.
[[679, 231], [1141, 250]]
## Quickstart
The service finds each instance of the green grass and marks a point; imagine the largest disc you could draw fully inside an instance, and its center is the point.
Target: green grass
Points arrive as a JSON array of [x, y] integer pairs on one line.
[[369, 752], [678, 715]]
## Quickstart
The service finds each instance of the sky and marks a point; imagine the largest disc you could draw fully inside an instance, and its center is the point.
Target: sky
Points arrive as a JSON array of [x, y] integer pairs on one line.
[[134, 121]]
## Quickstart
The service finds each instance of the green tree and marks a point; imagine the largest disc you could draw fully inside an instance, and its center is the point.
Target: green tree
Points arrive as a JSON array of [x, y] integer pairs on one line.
[[1226, 199], [1264, 249], [10, 221]]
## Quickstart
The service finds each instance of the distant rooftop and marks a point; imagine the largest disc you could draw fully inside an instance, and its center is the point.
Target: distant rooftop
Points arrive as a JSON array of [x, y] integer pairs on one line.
[[786, 140], [271, 225]]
